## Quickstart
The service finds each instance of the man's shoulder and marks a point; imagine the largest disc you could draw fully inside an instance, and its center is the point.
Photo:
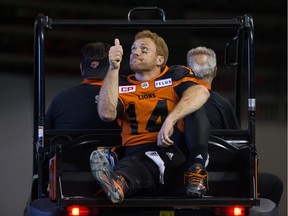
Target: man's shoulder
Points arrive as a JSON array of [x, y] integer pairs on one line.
[[219, 99], [79, 89], [217, 96], [67, 91]]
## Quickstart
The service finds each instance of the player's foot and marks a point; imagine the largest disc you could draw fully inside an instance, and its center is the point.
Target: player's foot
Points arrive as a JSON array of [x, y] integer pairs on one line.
[[113, 185], [196, 180]]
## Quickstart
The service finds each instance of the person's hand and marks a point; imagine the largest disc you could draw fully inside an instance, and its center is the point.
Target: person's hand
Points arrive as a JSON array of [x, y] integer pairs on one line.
[[115, 54], [163, 139]]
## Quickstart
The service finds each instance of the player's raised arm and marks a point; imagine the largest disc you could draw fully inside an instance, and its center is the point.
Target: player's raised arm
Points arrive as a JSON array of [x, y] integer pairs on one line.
[[108, 97]]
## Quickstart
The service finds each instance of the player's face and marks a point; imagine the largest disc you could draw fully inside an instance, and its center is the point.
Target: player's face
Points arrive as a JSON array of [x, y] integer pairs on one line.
[[143, 55]]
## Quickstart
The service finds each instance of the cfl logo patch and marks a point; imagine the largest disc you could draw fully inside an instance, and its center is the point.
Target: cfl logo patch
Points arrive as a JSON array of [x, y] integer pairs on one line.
[[126, 89]]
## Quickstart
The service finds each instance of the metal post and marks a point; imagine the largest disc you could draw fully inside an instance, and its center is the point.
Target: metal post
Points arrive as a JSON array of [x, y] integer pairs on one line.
[[39, 99]]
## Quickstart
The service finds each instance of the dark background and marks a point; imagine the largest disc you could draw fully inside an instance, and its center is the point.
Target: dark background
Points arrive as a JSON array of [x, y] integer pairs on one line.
[[17, 21], [62, 69]]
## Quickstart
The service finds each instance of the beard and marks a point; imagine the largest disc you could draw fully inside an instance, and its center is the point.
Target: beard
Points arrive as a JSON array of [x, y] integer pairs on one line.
[[140, 66]]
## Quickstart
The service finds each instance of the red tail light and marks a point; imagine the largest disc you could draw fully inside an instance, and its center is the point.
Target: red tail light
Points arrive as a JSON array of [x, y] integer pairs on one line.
[[78, 211], [231, 211], [239, 211]]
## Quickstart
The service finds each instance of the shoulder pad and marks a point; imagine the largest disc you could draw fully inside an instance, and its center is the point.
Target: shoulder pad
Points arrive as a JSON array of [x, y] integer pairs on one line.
[[180, 71]]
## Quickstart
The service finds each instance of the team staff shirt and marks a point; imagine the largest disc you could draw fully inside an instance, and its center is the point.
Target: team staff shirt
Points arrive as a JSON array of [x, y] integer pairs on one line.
[[220, 112], [76, 108], [145, 105]]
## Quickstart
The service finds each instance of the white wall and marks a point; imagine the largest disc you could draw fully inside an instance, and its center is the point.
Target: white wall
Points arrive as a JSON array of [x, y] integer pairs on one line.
[[15, 143]]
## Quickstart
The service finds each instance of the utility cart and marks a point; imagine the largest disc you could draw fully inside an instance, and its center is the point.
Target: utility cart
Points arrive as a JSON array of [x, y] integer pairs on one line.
[[62, 183]]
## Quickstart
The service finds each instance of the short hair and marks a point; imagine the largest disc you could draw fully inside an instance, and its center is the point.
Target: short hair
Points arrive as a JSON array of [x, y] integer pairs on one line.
[[208, 68], [92, 52], [161, 46], [95, 51]]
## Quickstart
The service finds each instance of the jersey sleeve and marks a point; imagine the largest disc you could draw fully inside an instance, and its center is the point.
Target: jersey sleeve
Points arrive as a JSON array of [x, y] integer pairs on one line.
[[184, 78], [120, 105], [180, 72], [120, 108]]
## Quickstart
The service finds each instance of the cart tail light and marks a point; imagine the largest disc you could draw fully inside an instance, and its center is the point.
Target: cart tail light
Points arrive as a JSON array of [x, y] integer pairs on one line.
[[231, 211], [78, 211]]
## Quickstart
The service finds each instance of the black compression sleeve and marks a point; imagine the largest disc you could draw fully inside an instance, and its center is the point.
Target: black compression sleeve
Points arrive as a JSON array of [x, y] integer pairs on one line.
[[182, 87]]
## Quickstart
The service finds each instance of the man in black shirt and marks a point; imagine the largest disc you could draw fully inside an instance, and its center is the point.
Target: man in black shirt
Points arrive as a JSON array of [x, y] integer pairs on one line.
[[221, 114], [76, 107], [218, 109]]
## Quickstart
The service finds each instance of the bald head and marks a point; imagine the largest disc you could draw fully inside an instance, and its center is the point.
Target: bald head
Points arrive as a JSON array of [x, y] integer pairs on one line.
[[203, 62], [201, 59]]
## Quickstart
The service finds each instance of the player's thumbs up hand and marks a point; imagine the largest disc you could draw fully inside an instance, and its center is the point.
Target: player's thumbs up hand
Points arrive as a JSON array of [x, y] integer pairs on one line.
[[115, 54], [116, 42]]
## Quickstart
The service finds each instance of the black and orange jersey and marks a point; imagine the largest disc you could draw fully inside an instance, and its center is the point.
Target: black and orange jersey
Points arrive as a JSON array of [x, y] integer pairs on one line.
[[146, 105]]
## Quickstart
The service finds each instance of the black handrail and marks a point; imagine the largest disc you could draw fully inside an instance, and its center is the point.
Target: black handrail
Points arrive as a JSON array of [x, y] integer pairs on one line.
[[145, 9], [39, 98], [251, 103], [233, 23]]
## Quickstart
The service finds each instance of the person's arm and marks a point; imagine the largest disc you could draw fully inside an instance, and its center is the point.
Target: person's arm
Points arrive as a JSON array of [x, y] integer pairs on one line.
[[108, 96], [192, 99]]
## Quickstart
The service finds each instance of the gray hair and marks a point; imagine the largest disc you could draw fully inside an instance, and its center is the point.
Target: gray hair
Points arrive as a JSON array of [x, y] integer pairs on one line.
[[208, 68]]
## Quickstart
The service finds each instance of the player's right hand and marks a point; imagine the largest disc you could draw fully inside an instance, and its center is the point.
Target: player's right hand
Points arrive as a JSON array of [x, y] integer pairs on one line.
[[115, 55]]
